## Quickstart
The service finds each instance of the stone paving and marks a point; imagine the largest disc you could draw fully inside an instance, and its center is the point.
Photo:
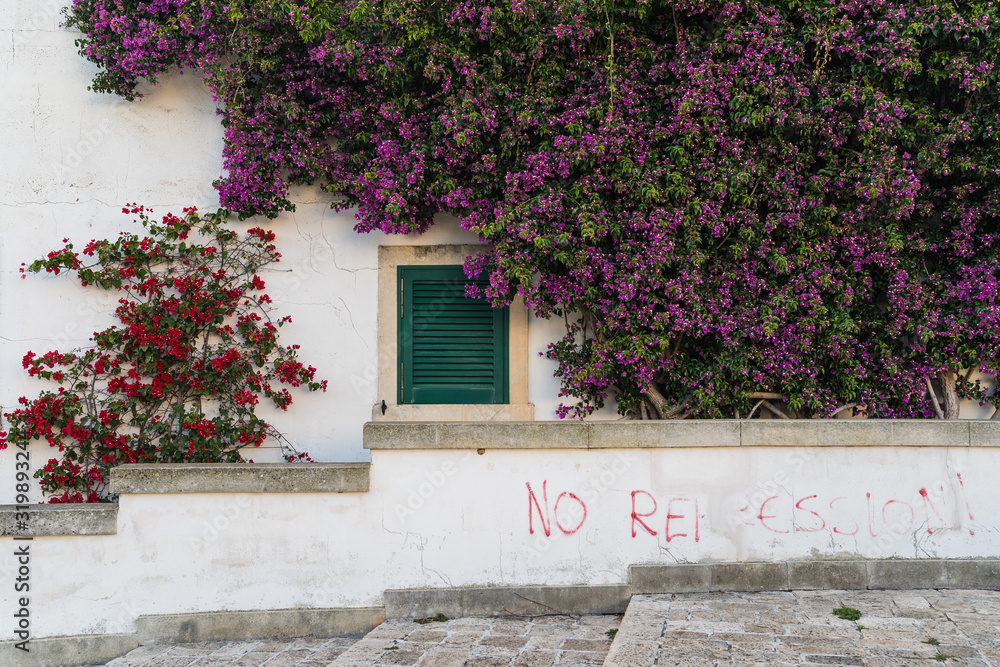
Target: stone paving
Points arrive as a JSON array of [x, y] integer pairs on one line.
[[896, 629], [541, 641], [283, 653], [946, 628]]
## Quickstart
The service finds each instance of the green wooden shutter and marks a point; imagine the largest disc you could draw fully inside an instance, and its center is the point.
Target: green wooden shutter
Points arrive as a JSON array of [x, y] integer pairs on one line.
[[452, 349]]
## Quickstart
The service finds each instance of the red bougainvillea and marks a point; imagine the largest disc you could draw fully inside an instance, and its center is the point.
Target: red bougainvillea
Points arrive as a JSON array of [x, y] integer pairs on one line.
[[178, 378]]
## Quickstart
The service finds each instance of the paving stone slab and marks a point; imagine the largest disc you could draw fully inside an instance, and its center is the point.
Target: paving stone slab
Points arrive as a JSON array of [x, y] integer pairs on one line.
[[542, 641], [656, 630], [813, 636], [291, 653]]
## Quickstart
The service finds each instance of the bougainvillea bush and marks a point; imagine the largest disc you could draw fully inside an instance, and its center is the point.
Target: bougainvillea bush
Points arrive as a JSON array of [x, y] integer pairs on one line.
[[791, 204], [178, 379]]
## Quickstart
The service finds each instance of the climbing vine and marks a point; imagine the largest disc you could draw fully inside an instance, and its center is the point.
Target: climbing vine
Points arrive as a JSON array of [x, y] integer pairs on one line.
[[736, 206], [179, 377]]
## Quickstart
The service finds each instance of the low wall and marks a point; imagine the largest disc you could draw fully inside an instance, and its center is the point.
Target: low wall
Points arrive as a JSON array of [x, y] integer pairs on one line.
[[513, 505]]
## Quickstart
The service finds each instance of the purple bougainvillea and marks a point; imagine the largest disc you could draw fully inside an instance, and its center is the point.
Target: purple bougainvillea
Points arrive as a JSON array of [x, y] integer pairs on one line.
[[789, 204]]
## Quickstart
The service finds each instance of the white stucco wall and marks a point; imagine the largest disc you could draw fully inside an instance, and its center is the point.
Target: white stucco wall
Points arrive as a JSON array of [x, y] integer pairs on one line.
[[455, 518], [72, 158]]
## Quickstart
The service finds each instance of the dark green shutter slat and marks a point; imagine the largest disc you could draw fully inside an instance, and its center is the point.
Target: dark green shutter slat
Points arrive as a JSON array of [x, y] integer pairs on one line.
[[457, 344], [453, 324], [452, 349]]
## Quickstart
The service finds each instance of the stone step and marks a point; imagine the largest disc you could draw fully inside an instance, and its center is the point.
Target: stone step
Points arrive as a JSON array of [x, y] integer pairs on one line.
[[895, 627], [540, 641], [874, 574]]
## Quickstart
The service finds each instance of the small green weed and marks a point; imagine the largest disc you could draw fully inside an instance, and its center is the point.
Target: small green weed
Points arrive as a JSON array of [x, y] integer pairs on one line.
[[860, 627], [440, 618], [847, 613], [611, 633], [931, 641], [941, 656]]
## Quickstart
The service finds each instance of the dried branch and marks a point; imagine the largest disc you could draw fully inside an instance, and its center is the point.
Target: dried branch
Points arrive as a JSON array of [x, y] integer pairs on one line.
[[849, 150], [934, 400], [679, 411], [774, 409], [589, 319], [656, 399], [846, 406], [949, 392]]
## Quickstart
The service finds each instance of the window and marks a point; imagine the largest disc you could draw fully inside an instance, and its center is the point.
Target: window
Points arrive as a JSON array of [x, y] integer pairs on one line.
[[504, 397], [452, 349]]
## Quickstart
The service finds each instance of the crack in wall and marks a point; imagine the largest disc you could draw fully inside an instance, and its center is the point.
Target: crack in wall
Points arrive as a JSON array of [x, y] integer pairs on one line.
[[350, 318], [47, 202]]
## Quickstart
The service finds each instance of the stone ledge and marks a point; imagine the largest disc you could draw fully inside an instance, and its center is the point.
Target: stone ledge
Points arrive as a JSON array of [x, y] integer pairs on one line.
[[78, 651], [506, 601], [749, 577], [455, 412], [473, 435], [683, 578], [683, 433], [815, 575], [247, 625], [60, 519], [241, 478], [970, 574], [828, 575], [864, 433]]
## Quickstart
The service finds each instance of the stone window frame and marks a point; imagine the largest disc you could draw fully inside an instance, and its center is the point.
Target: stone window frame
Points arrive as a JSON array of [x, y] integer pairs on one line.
[[517, 409]]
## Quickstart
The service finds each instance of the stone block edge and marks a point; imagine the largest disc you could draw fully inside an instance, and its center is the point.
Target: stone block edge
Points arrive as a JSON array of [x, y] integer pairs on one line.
[[87, 650], [625, 434], [59, 520], [515, 601], [154, 478], [872, 574], [74, 651]]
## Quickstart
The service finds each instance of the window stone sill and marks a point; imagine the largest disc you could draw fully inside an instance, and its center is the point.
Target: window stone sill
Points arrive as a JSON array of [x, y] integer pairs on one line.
[[464, 412]]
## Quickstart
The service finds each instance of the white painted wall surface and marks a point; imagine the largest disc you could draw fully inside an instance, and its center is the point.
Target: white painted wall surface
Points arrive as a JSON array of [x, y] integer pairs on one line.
[[72, 158], [455, 518]]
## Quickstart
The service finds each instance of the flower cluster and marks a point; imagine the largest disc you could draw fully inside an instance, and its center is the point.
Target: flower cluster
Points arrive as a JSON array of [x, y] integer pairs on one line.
[[784, 204], [175, 381]]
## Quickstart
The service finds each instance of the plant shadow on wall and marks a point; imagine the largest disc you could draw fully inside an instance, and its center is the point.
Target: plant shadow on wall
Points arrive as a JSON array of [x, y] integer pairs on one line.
[[177, 381], [778, 205]]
